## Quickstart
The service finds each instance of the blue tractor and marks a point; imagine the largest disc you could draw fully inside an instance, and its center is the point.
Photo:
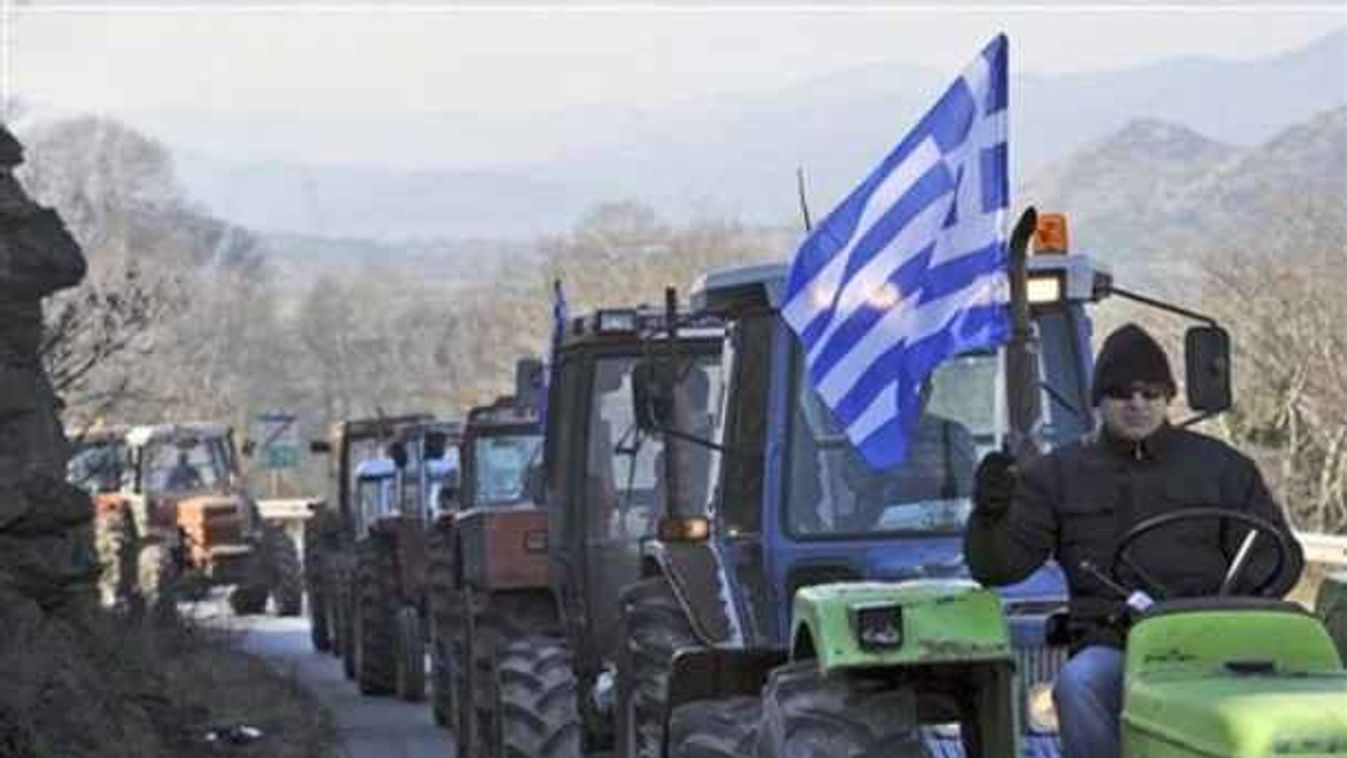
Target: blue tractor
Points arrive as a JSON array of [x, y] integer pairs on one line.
[[715, 660]]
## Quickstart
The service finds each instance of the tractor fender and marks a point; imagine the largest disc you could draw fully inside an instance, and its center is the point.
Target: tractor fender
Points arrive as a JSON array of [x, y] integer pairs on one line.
[[407, 537], [714, 673], [695, 574], [938, 621]]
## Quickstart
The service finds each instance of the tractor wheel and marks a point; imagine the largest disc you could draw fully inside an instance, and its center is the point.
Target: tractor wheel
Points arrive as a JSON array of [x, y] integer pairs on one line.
[[494, 620], [806, 714], [655, 628], [375, 612], [536, 700], [118, 548], [157, 572], [724, 728], [320, 628], [445, 626], [285, 575], [320, 631], [411, 655], [346, 604]]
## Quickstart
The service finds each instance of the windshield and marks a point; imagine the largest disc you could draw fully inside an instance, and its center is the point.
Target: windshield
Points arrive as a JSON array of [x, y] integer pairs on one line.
[[97, 468], [625, 468], [184, 465], [501, 467], [833, 491], [375, 496]]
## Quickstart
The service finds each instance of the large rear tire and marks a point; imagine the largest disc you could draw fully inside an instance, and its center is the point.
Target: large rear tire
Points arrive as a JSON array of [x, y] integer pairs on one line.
[[655, 628], [445, 626], [285, 574], [157, 576], [118, 547], [375, 625], [725, 728], [537, 700], [411, 655], [321, 633], [806, 714], [493, 621]]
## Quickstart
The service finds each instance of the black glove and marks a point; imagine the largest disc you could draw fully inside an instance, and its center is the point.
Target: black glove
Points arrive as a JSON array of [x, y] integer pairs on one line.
[[994, 484]]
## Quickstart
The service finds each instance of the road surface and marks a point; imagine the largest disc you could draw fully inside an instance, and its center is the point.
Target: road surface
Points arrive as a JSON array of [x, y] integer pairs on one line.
[[367, 727]]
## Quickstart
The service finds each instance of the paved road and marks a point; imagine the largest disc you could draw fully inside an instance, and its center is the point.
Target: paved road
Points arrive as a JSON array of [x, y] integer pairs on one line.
[[369, 727]]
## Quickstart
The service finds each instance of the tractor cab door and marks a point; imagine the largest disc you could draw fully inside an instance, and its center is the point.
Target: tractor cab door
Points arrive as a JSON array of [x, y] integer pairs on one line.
[[739, 473]]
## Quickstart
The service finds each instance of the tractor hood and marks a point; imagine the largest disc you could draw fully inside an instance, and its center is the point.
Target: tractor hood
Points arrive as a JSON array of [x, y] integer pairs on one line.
[[942, 558]]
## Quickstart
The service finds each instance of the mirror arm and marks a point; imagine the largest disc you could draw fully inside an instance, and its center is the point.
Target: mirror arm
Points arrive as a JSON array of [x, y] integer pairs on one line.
[[1162, 305]]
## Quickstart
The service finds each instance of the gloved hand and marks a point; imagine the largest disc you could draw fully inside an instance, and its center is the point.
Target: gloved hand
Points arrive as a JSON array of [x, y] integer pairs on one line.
[[994, 484]]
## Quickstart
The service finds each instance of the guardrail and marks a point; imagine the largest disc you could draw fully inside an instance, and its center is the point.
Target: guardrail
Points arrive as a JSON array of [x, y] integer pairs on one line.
[[1324, 549]]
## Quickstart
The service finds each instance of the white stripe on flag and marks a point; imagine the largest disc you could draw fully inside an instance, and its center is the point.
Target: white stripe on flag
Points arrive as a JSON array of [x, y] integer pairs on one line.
[[817, 296], [875, 274]]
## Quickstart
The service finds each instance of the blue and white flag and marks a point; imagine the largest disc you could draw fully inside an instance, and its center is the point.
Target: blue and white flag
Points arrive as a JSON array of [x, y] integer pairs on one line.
[[911, 268]]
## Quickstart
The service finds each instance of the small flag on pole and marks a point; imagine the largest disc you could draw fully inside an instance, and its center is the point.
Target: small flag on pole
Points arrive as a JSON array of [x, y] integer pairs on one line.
[[911, 268]]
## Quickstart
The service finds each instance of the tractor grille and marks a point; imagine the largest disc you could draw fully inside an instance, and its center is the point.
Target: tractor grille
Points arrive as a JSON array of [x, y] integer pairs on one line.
[[1034, 664]]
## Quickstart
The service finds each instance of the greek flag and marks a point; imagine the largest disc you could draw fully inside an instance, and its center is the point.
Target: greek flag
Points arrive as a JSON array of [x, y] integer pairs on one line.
[[911, 268]]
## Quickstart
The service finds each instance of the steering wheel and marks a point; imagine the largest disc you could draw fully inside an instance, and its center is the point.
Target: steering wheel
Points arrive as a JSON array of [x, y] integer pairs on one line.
[[1271, 585]]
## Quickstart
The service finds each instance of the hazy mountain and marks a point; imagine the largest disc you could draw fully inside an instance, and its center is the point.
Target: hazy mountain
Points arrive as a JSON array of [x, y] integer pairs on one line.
[[732, 155], [1159, 192]]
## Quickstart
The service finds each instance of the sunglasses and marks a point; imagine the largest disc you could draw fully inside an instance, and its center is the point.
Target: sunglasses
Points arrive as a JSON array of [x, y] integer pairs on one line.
[[1147, 392]]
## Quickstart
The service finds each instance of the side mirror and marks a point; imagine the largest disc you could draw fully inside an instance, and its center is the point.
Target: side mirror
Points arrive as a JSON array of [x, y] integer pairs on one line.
[[398, 452], [652, 395], [528, 383], [1206, 352], [436, 443], [249, 447]]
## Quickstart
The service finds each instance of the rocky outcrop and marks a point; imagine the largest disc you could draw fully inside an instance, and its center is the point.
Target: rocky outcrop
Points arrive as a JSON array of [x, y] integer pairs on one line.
[[46, 544]]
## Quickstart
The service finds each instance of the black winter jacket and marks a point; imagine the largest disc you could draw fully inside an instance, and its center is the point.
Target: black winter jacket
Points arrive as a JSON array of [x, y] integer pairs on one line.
[[1076, 502]]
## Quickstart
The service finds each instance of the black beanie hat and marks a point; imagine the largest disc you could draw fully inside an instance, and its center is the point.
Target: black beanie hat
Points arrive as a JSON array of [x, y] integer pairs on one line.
[[1130, 355]]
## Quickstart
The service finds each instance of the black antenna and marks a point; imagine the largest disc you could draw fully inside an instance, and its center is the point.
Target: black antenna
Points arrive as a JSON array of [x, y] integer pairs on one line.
[[804, 201]]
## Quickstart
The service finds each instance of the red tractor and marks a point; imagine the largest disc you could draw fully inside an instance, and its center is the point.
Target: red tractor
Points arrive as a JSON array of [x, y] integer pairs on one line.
[[174, 514]]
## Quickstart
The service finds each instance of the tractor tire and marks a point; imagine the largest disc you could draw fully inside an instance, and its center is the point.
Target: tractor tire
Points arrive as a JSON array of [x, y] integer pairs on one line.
[[118, 547], [655, 627], [411, 655], [285, 575], [320, 627], [806, 714], [157, 576], [446, 628], [375, 617], [346, 604], [493, 621], [320, 630], [725, 728], [536, 700]]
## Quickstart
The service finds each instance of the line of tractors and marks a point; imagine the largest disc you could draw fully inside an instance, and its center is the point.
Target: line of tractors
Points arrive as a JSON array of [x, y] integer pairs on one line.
[[662, 545]]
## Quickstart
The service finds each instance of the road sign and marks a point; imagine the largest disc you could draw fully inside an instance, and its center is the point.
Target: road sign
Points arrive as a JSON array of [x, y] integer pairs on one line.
[[277, 436]]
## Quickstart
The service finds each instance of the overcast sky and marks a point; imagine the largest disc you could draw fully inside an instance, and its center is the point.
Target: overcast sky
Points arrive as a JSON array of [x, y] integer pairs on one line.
[[119, 58]]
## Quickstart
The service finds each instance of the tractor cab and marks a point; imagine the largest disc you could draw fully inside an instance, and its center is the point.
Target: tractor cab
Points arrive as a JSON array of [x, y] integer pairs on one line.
[[502, 444], [605, 479]]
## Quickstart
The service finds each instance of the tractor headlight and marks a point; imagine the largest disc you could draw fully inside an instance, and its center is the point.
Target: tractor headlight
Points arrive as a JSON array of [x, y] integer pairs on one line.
[[878, 626], [1039, 711]]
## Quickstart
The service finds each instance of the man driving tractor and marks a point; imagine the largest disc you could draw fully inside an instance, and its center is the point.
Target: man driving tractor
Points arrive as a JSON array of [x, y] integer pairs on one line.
[[1076, 503]]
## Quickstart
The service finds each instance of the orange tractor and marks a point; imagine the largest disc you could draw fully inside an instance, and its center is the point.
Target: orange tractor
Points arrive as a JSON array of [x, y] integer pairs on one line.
[[173, 513]]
